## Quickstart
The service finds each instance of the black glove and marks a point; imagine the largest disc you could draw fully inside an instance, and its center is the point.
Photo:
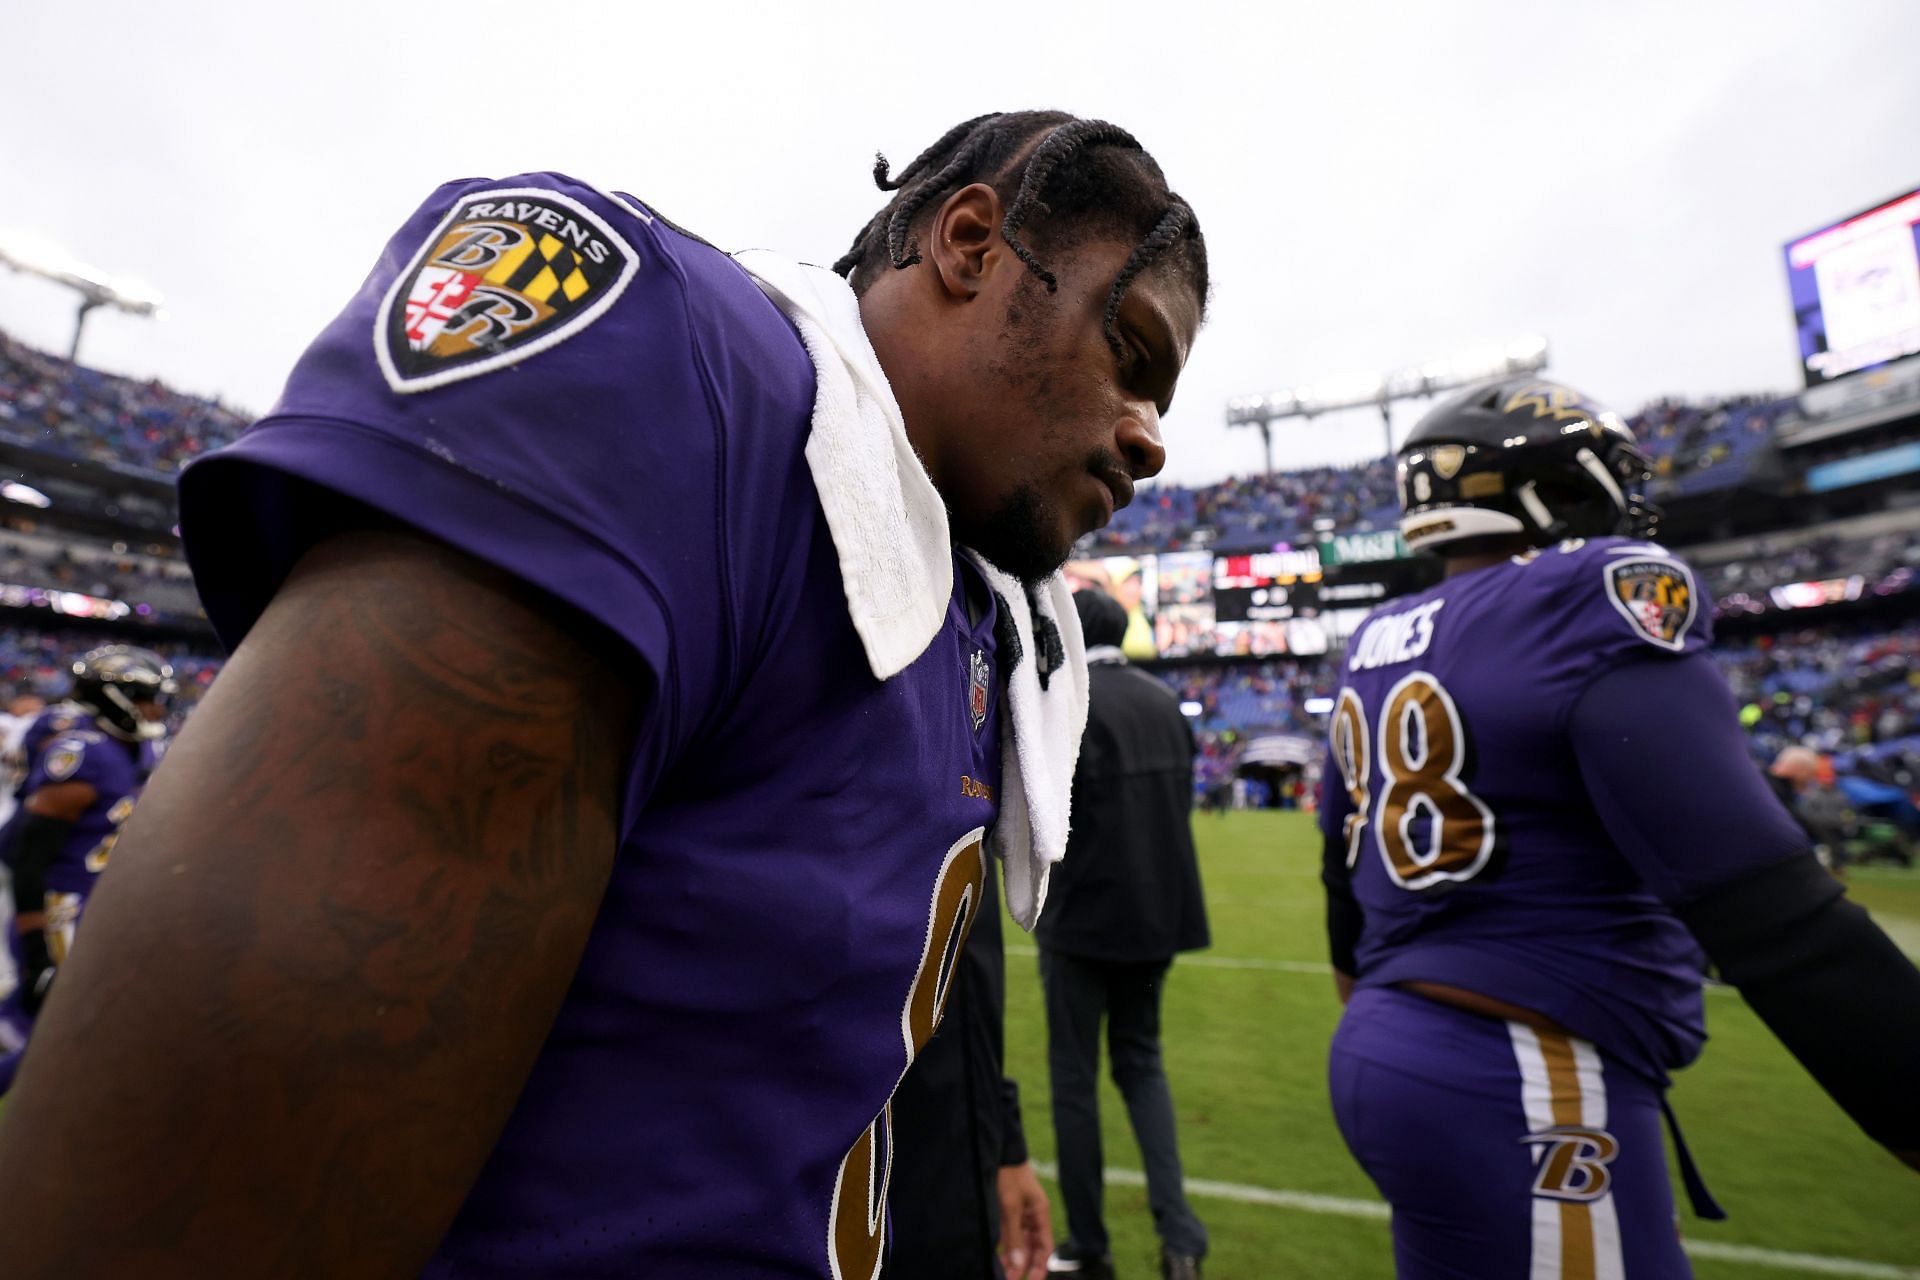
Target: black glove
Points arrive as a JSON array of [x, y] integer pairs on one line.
[[36, 971]]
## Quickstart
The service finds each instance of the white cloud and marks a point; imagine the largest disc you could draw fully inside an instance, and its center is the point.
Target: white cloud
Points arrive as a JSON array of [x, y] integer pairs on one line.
[[1381, 183]]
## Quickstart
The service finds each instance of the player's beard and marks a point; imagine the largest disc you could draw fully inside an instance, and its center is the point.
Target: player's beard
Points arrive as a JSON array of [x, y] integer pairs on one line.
[[1021, 536]]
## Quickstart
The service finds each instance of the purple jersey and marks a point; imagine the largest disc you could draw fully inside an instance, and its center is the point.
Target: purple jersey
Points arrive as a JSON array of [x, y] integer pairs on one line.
[[65, 745], [560, 383], [109, 766], [1490, 842], [45, 727]]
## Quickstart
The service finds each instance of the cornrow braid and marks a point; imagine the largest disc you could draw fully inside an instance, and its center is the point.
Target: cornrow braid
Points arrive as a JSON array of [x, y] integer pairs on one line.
[[1074, 172], [1056, 147], [1172, 225], [900, 226], [881, 179], [926, 158]]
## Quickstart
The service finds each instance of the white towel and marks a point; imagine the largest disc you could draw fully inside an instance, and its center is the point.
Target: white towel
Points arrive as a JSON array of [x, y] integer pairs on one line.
[[890, 529], [1036, 772]]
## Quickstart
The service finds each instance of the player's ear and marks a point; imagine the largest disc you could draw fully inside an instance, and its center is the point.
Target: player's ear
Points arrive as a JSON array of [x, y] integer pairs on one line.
[[964, 244]]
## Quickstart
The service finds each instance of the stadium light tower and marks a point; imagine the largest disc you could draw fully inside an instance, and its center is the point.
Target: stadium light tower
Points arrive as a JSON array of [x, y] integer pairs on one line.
[[1522, 355], [96, 288]]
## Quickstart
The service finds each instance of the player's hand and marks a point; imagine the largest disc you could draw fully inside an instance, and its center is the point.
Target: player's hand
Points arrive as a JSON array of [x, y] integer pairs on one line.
[[1026, 1227], [36, 971]]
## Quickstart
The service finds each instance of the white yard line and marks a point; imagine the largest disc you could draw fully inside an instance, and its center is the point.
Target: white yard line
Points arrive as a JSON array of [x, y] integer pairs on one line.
[[1375, 1210], [1223, 962], [1280, 966]]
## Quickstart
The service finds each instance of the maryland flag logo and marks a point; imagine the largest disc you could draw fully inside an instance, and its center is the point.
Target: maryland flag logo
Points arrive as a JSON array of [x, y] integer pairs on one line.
[[1656, 597], [507, 275]]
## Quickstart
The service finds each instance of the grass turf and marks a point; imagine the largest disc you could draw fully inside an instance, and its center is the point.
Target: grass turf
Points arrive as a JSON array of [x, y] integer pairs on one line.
[[1246, 1054], [1246, 1048]]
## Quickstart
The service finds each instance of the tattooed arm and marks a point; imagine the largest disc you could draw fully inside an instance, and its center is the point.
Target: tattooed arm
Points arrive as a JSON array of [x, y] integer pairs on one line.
[[337, 930]]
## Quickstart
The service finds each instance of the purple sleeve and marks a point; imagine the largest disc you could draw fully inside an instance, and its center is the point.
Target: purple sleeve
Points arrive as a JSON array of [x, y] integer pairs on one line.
[[1663, 758], [71, 759], [543, 376], [530, 457]]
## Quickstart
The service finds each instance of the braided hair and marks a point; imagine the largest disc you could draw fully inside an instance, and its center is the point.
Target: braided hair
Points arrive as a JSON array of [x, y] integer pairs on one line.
[[1074, 177]]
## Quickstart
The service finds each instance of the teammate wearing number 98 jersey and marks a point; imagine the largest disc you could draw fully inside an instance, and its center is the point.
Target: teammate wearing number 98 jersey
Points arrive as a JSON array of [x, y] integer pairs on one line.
[[1541, 825]]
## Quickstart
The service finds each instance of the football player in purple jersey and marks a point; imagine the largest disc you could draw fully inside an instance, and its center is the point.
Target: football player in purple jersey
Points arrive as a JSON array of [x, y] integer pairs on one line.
[[80, 787], [1541, 825], [568, 862]]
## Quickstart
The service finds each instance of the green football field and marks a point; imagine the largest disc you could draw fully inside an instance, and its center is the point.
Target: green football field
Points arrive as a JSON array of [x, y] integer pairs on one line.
[[1246, 1030]]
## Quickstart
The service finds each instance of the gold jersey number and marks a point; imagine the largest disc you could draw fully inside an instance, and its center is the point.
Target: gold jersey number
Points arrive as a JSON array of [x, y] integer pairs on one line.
[[1429, 828], [98, 855]]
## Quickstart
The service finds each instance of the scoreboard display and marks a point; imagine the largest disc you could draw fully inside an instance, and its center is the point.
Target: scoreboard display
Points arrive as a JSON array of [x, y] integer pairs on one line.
[[1855, 287], [1286, 600], [1270, 586]]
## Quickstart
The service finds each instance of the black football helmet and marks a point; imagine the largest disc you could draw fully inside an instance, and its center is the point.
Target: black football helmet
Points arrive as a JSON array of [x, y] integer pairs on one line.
[[1521, 458], [112, 681]]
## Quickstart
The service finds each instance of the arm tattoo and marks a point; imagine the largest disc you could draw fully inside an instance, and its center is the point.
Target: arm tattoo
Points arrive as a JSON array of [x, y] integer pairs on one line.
[[338, 928]]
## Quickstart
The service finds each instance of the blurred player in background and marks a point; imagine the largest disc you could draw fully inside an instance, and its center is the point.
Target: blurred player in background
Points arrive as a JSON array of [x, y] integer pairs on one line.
[[1539, 814], [80, 787], [568, 863], [22, 709]]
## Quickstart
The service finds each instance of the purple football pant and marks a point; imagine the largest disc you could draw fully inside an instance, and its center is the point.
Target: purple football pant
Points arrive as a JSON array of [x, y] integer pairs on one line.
[[14, 1022], [1506, 1153], [63, 917]]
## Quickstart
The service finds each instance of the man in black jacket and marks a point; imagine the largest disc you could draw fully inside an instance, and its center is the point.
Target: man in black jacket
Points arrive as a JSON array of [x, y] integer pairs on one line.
[[1124, 901]]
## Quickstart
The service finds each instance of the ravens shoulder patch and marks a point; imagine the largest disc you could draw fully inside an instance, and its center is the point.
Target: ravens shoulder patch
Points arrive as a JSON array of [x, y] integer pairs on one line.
[[507, 274], [1655, 595], [63, 759]]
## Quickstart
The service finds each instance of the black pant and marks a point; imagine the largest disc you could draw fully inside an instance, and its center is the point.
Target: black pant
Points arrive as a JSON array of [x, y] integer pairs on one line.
[[1079, 993]]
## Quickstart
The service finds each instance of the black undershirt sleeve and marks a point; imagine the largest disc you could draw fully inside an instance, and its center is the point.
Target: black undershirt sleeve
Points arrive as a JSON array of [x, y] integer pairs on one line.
[[41, 840], [1829, 983], [1666, 767]]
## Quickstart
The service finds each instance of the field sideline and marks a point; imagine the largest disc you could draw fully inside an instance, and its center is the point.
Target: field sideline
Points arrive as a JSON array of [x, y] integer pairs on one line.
[[1247, 1024], [1246, 1035]]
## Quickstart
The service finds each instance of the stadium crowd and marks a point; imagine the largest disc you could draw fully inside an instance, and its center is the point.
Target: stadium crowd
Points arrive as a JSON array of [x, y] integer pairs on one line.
[[1884, 562], [1853, 697], [1689, 445], [111, 572], [59, 407], [1685, 440]]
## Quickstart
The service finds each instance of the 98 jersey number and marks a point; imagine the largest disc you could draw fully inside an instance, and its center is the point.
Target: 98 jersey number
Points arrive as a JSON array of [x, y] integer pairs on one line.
[[1423, 753]]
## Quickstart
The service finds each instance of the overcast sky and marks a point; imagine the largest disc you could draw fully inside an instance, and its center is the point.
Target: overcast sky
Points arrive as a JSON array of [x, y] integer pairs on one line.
[[1380, 183]]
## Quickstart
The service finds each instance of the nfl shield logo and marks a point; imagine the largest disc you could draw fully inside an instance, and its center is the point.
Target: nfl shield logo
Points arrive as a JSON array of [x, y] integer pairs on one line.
[[978, 680]]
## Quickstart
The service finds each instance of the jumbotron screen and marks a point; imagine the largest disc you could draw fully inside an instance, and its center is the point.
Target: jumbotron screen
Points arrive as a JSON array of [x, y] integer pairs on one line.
[[1192, 604], [1856, 290]]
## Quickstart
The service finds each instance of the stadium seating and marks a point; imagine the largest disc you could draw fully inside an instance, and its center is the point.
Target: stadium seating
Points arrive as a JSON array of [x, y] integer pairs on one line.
[[1853, 694], [1850, 694], [1693, 448], [59, 407]]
